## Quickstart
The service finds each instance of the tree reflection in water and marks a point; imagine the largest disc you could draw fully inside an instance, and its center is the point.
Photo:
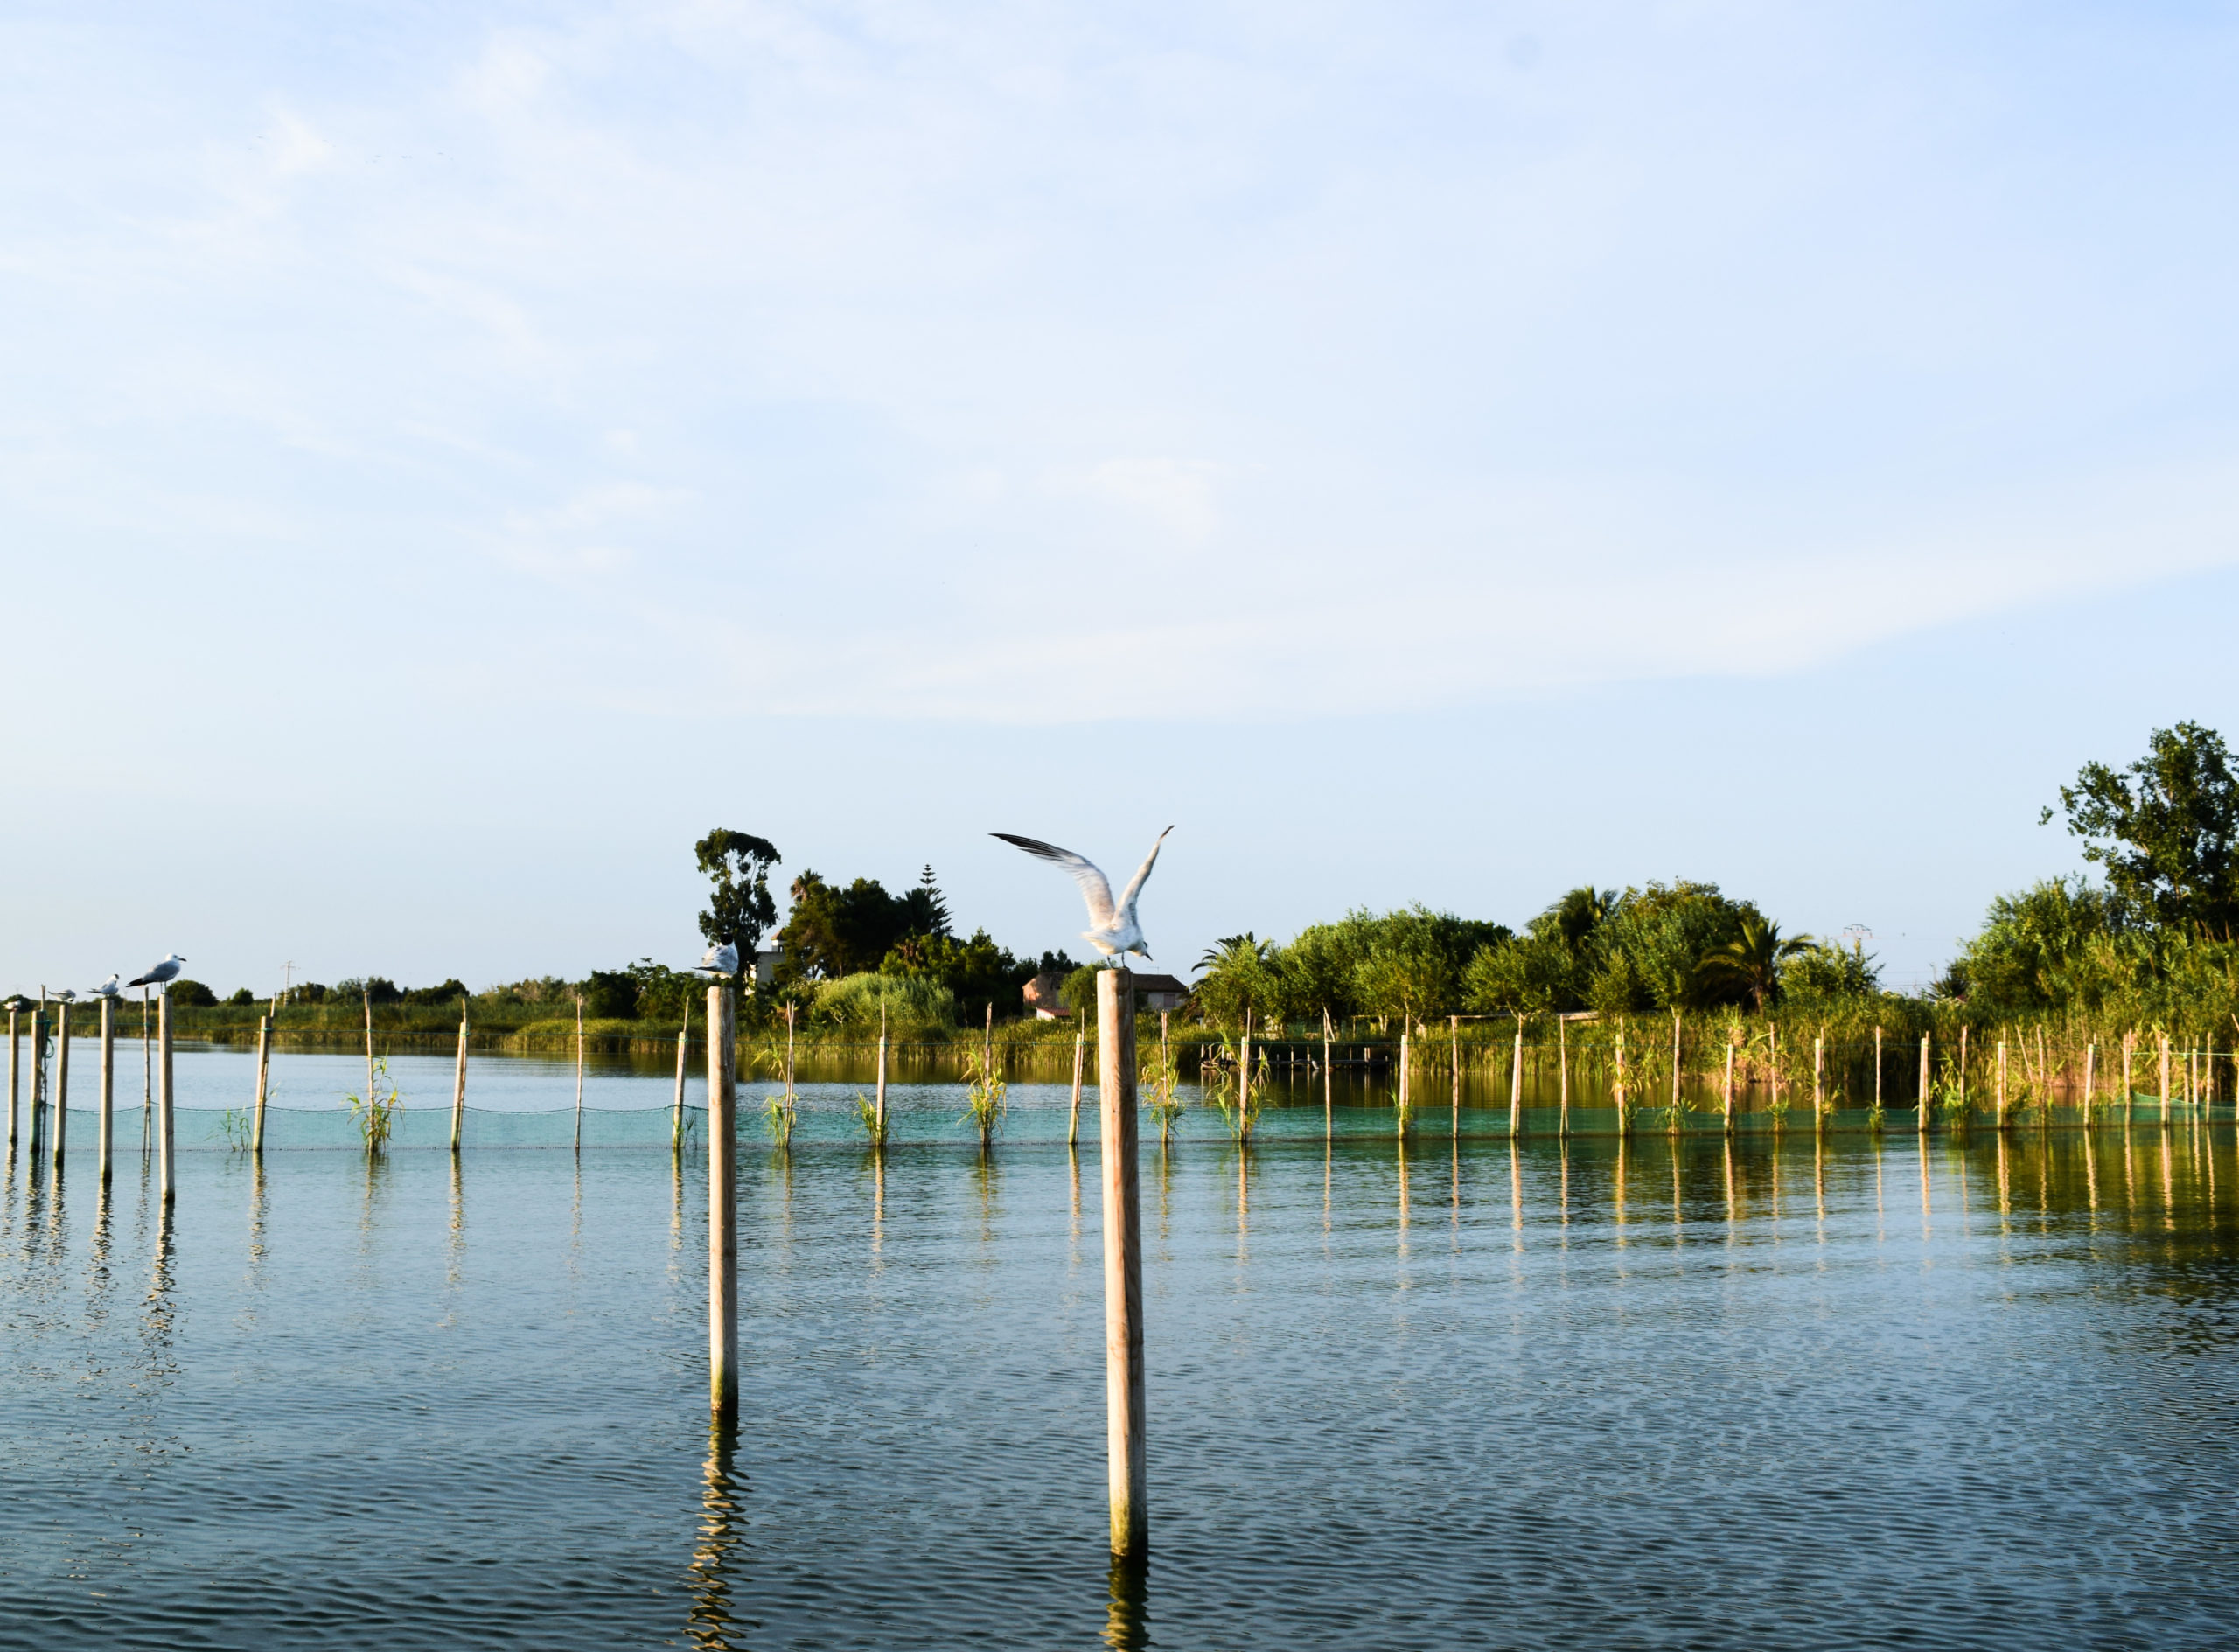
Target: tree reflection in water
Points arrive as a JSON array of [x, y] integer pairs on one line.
[[721, 1553]]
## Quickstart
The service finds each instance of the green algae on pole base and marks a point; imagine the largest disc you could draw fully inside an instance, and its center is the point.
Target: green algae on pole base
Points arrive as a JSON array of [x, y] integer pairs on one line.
[[722, 1207], [1125, 1411]]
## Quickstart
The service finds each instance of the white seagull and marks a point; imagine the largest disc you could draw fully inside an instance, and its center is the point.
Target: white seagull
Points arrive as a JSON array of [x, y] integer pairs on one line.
[[1115, 933], [161, 974], [107, 988], [720, 960]]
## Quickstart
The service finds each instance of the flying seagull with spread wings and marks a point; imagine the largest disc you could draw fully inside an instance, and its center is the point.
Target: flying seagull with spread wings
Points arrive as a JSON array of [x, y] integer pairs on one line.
[[162, 975], [1115, 933]]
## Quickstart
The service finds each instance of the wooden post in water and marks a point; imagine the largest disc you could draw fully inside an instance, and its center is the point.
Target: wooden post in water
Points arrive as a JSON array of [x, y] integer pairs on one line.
[[1244, 1075], [108, 1081], [459, 1085], [14, 1075], [1924, 1083], [579, 1072], [1675, 1071], [790, 1008], [722, 1208], [1515, 1085], [1165, 1069], [1453, 1027], [166, 1097], [1328, 1101], [1080, 1063], [683, 1050], [147, 1082], [1877, 1068], [2090, 1060], [1997, 1097], [1400, 1112], [1124, 1410], [1963, 1070], [2130, 1045], [2164, 1078], [1563, 1074], [62, 1089], [1726, 1097], [1819, 1102], [36, 1127], [263, 1082], [878, 1095], [1624, 1121]]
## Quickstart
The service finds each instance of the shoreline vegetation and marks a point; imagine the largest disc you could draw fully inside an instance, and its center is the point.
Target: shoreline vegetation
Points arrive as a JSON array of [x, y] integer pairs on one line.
[[2070, 990]]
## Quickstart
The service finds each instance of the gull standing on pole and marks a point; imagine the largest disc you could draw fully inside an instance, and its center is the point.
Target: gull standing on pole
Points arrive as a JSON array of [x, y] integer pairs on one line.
[[108, 989], [162, 975], [720, 960], [1115, 933]]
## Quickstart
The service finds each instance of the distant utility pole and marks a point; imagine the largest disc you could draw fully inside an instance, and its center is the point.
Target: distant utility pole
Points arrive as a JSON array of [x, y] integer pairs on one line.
[[288, 982]]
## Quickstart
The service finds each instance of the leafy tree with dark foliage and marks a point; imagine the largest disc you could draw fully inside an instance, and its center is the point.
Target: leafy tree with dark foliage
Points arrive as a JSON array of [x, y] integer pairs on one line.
[[2165, 829], [740, 910]]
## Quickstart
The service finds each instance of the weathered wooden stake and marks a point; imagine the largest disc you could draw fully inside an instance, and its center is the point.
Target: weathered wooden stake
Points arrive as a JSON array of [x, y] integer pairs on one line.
[[263, 1082], [1243, 1077], [2090, 1060], [1080, 1063], [1563, 1072], [14, 1075], [36, 1127], [1624, 1122], [62, 1090], [722, 1208], [790, 1009], [108, 1081], [1963, 1070], [1726, 1096], [1876, 1069], [2130, 1045], [458, 1083], [1818, 1103], [1454, 1026], [166, 1097], [1515, 1085], [878, 1098], [1924, 1097], [579, 1072], [1125, 1410], [1401, 1112], [147, 1082], [1674, 1067], [1328, 1101], [1998, 1098], [683, 1046], [2164, 1078]]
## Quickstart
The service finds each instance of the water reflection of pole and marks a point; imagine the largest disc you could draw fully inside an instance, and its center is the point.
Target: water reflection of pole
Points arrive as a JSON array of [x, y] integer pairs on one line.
[[2004, 1184], [1730, 1212], [1926, 1218], [455, 1246], [723, 1211], [1126, 1622], [1514, 1192], [711, 1621], [2091, 1177], [1125, 1412]]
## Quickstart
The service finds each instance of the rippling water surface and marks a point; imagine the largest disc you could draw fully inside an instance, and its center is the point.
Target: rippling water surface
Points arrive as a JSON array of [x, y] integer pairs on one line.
[[1977, 1395]]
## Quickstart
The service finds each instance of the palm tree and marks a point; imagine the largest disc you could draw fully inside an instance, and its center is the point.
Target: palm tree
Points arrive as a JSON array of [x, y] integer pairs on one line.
[[1753, 960]]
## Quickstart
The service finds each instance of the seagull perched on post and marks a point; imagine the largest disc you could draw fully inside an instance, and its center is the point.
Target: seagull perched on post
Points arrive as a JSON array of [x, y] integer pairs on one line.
[[1115, 933], [108, 989], [720, 960], [162, 975]]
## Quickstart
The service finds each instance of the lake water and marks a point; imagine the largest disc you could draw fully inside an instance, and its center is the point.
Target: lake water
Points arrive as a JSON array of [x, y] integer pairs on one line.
[[1779, 1394]]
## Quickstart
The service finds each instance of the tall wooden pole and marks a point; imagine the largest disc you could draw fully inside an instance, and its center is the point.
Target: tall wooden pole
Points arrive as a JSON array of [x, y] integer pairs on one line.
[[683, 1044], [1997, 1100], [1963, 1070], [1925, 1098], [2164, 1078], [36, 1126], [579, 1072], [1080, 1058], [1328, 1104], [1818, 1106], [2091, 1061], [722, 1207], [1125, 1411], [1563, 1074], [1675, 1070], [1624, 1119], [108, 1081], [166, 1097], [790, 1008], [459, 1085], [263, 1081], [147, 1082], [1243, 1077], [62, 1088], [14, 1075], [1515, 1084], [1726, 1096], [878, 1103], [1454, 1034], [1876, 1069], [365, 994]]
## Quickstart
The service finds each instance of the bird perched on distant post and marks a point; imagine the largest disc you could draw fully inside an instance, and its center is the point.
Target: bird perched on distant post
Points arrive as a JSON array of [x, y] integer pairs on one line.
[[66, 995], [162, 975], [1115, 933], [108, 989], [720, 960]]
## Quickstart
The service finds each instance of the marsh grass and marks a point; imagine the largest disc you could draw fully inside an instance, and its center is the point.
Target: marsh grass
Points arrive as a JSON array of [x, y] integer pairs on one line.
[[240, 1129], [874, 1128], [984, 1105], [375, 1113], [781, 1114]]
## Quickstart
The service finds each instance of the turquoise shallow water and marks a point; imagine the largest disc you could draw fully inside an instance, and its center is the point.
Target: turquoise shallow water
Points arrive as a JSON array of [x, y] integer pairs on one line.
[[1980, 1394]]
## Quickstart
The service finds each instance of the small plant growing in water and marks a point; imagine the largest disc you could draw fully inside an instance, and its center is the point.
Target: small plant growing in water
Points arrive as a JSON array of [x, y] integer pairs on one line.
[[239, 1130], [375, 1114], [983, 1101], [874, 1128], [781, 1112]]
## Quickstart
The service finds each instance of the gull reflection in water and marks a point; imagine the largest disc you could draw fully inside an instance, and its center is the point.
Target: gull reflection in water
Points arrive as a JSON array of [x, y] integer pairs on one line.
[[719, 1555]]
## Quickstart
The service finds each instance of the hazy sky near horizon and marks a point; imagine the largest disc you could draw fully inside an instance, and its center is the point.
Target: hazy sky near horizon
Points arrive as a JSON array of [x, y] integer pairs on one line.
[[451, 456]]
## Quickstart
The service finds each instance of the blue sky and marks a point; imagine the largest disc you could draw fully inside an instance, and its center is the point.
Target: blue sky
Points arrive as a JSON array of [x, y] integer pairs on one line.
[[451, 456]]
